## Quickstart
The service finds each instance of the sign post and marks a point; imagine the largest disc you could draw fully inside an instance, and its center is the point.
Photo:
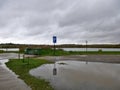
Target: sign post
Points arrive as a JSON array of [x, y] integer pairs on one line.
[[86, 46], [86, 51], [54, 41], [54, 69]]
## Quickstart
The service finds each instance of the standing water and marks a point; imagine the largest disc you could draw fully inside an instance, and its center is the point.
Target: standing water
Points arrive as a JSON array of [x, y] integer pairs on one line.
[[91, 49], [76, 75]]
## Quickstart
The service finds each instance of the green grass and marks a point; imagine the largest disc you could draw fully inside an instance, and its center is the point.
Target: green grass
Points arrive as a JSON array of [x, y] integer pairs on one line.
[[1, 51], [22, 69], [94, 52], [60, 52], [50, 52]]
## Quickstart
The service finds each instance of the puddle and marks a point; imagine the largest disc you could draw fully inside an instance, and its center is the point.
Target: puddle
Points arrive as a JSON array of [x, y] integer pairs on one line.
[[3, 65], [76, 75], [2, 62]]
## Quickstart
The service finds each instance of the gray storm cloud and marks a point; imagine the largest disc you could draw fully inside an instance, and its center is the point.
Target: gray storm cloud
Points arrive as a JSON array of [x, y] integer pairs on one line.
[[72, 21]]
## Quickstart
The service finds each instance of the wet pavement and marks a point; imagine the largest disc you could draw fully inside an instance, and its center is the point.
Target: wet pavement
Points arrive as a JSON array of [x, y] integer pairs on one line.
[[90, 58], [8, 79], [77, 75]]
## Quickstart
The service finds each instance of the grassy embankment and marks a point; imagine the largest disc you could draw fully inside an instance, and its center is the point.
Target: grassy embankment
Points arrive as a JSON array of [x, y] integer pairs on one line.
[[1, 51], [94, 52], [22, 69], [60, 52]]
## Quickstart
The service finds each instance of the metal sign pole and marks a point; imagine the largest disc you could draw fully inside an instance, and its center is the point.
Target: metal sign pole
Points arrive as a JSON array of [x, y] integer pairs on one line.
[[86, 51], [54, 41], [54, 69], [54, 49], [19, 54], [86, 45]]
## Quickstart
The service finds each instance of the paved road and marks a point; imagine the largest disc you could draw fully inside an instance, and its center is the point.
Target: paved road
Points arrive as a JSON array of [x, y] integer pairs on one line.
[[8, 80], [89, 58]]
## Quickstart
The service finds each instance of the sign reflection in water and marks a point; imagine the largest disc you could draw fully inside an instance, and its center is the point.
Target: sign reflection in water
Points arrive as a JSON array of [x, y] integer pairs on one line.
[[54, 69]]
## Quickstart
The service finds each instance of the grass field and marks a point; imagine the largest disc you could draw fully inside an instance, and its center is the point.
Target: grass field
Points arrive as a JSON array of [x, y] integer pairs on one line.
[[60, 52], [22, 69], [95, 52]]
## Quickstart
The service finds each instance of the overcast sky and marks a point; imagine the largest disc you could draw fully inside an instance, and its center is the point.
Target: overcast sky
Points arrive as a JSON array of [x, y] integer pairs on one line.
[[72, 21]]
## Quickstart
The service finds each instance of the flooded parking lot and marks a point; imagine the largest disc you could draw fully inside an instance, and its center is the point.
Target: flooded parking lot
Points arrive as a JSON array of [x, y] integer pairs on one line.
[[77, 75]]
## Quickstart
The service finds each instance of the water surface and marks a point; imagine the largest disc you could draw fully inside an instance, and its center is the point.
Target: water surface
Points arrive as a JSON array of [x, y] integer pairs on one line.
[[91, 49], [76, 75], [9, 49]]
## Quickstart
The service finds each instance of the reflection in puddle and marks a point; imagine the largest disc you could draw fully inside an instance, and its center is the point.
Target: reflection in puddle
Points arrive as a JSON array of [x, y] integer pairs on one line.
[[76, 75]]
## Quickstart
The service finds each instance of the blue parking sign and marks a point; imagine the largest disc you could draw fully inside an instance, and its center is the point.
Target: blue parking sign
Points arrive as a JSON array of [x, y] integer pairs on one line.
[[54, 39]]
